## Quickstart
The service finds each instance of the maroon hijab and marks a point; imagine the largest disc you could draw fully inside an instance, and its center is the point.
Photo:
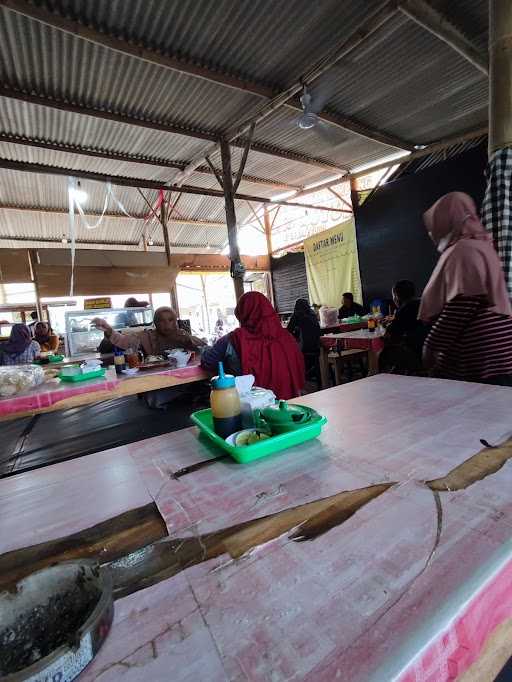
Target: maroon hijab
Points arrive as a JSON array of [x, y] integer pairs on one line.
[[265, 349]]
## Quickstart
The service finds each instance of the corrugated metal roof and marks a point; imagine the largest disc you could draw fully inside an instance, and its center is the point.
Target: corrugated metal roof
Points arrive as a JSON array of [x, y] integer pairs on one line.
[[270, 41], [410, 83], [402, 80]]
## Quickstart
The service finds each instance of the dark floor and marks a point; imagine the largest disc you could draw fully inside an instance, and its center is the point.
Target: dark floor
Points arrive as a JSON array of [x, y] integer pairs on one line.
[[506, 674], [48, 438]]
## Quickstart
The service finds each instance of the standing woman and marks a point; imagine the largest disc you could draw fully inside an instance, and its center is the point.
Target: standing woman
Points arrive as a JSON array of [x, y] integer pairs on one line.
[[466, 298], [20, 349]]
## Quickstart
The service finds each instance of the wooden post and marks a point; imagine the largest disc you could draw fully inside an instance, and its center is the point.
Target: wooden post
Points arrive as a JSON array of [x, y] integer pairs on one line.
[[234, 252], [32, 259], [167, 244], [268, 230], [354, 196], [500, 52]]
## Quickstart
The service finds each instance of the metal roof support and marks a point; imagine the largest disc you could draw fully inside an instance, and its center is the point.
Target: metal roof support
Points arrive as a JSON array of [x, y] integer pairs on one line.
[[436, 23], [180, 65], [7, 91], [237, 268], [129, 158], [149, 184], [362, 33]]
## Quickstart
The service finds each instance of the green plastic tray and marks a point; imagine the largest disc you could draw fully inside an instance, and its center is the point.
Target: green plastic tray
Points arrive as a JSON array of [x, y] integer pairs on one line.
[[94, 374], [248, 453], [51, 358]]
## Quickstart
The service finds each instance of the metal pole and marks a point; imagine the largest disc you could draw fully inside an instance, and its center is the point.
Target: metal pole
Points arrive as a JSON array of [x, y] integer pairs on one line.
[[237, 270], [500, 76]]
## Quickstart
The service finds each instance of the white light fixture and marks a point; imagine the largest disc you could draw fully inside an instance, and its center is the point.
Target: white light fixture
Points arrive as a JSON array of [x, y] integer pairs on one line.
[[150, 242], [420, 146], [64, 240], [78, 194]]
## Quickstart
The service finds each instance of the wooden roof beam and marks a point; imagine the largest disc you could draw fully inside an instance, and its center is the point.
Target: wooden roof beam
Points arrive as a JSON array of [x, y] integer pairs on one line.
[[180, 65], [6, 90], [128, 158], [120, 216], [436, 23], [121, 181]]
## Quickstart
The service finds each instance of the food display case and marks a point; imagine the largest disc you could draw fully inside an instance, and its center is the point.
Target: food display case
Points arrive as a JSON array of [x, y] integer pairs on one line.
[[83, 338]]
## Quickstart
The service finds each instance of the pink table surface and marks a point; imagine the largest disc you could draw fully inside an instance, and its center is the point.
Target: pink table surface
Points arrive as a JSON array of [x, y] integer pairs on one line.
[[362, 339], [49, 394], [369, 600]]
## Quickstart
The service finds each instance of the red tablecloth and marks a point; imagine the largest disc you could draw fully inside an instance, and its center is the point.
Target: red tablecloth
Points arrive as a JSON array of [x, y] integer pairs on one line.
[[362, 339]]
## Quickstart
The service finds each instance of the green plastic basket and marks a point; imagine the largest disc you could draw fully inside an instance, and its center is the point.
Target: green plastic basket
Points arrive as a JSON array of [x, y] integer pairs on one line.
[[248, 453], [94, 374]]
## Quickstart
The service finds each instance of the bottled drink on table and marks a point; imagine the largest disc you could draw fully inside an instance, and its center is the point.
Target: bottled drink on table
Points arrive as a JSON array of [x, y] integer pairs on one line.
[[225, 404], [372, 324], [119, 360]]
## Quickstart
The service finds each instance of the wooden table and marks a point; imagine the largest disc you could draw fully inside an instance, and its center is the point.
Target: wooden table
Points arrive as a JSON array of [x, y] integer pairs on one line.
[[50, 396], [398, 581], [360, 339]]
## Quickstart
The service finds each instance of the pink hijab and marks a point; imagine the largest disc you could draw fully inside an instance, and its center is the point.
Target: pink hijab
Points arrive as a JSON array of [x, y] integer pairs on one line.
[[469, 264]]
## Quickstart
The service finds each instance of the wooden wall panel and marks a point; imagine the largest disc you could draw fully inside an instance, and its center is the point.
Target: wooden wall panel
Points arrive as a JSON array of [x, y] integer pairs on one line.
[[14, 266], [102, 281]]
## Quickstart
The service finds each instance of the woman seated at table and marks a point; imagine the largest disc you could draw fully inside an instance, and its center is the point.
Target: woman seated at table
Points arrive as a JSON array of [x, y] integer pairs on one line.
[[466, 298], [47, 340], [20, 349], [166, 335], [305, 328], [405, 334], [260, 346]]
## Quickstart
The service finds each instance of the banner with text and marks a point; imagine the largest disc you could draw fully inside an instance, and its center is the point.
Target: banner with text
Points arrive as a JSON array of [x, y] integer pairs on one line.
[[332, 265]]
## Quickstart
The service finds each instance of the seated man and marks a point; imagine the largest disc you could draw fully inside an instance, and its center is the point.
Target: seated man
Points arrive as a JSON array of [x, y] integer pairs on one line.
[[166, 336], [349, 307], [405, 334]]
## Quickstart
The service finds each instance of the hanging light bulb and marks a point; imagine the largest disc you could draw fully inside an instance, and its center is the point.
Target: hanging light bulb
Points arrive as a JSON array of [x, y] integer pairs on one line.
[[150, 242]]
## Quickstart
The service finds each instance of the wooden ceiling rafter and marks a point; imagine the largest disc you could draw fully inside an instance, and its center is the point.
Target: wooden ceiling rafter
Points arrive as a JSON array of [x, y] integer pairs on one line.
[[129, 158], [190, 68], [435, 22], [142, 183], [120, 216]]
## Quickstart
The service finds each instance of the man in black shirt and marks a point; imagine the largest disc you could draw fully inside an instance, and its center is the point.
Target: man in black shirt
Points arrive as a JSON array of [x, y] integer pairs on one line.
[[348, 307]]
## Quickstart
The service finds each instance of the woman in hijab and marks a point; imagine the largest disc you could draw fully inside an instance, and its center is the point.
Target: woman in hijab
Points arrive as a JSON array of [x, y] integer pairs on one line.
[[260, 346], [47, 340], [466, 298], [20, 349], [304, 326], [165, 336]]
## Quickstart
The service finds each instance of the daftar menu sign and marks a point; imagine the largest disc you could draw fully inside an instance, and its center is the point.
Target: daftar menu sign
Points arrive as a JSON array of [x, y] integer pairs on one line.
[[332, 265]]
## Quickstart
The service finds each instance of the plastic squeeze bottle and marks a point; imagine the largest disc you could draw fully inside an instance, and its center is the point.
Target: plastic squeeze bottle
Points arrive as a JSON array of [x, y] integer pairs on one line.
[[225, 404]]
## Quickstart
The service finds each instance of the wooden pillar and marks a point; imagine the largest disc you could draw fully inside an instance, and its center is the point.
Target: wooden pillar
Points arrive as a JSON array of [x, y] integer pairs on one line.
[[237, 271], [172, 289], [495, 214], [32, 259], [268, 230], [500, 74], [354, 195]]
